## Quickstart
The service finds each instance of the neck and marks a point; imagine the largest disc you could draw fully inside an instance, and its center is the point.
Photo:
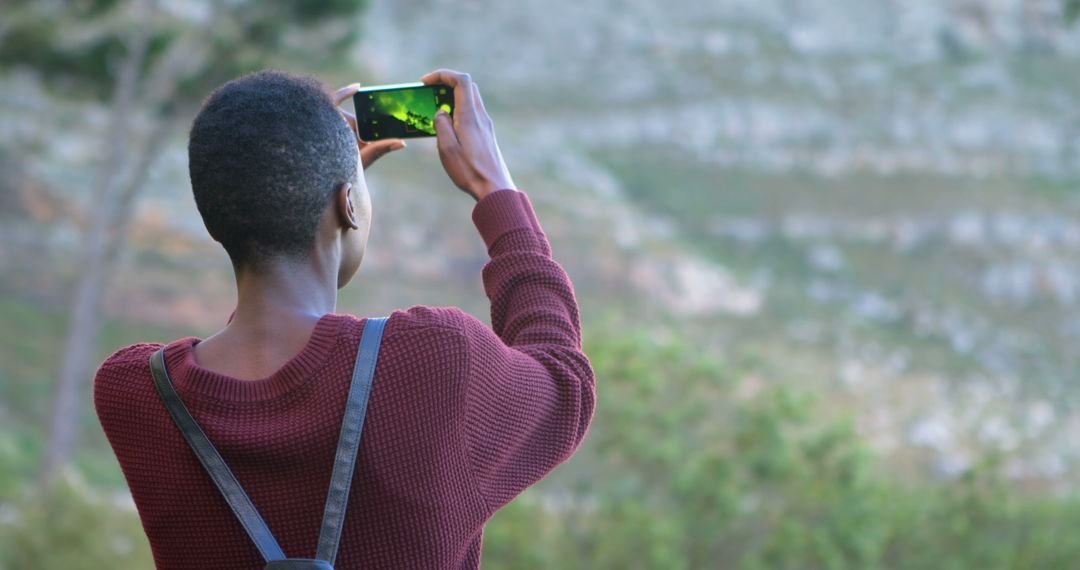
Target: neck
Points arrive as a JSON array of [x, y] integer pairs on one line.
[[282, 293]]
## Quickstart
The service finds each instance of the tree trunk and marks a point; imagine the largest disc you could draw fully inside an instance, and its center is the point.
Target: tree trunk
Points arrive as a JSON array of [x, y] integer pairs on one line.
[[125, 211], [83, 327], [111, 216]]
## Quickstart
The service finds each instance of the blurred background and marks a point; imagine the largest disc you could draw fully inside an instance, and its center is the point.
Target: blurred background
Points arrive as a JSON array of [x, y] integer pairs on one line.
[[827, 254]]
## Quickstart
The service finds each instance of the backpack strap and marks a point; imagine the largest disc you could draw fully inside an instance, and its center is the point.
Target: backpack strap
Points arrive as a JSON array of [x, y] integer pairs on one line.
[[337, 498], [213, 463], [344, 460]]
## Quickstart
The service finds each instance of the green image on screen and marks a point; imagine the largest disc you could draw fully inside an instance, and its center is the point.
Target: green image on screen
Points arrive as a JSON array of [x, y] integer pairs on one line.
[[401, 113]]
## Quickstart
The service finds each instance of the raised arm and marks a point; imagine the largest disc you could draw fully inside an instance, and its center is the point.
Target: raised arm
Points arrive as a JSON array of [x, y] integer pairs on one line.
[[530, 390]]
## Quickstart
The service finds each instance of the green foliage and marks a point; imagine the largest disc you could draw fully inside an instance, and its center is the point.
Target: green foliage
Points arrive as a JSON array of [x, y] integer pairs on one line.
[[686, 466], [75, 528], [76, 46], [35, 44], [306, 12], [28, 341], [1071, 10]]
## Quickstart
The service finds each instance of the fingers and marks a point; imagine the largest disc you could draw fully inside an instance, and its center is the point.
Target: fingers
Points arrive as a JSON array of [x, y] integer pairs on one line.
[[460, 82], [370, 152], [446, 76], [351, 119], [481, 110], [341, 95]]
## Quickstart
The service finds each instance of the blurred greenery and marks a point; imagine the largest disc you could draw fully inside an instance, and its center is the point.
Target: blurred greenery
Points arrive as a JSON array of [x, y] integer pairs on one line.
[[91, 530], [75, 45], [943, 186], [697, 467], [691, 474], [28, 340], [1072, 10]]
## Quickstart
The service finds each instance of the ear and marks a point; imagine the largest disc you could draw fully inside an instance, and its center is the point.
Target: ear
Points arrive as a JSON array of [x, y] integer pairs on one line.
[[345, 208]]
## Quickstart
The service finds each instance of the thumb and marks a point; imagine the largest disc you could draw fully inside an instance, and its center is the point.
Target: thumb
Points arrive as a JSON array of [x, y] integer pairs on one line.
[[446, 138]]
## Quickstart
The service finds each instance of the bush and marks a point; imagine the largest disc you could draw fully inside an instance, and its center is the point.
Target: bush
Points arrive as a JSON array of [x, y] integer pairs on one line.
[[682, 468], [685, 466], [74, 528]]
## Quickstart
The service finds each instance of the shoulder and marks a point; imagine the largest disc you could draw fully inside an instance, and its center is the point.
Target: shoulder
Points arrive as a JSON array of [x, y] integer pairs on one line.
[[445, 333], [121, 370], [426, 319], [438, 331], [132, 352], [424, 316], [127, 358]]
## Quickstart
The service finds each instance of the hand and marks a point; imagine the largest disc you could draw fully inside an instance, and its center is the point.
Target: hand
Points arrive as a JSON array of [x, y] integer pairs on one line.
[[369, 151], [467, 145]]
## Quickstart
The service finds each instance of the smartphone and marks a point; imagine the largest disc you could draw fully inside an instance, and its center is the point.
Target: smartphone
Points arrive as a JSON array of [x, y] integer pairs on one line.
[[405, 110]]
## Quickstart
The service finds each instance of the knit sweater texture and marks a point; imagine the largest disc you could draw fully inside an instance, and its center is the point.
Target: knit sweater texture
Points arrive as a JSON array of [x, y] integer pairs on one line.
[[462, 418]]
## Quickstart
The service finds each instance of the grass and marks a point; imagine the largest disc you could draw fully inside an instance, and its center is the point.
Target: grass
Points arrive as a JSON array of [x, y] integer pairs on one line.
[[31, 340]]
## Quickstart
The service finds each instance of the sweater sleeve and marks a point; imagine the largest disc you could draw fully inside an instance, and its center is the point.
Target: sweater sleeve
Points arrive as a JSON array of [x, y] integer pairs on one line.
[[530, 392]]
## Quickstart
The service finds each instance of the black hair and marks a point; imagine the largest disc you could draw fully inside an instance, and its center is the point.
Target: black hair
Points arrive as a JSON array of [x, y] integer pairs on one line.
[[265, 154]]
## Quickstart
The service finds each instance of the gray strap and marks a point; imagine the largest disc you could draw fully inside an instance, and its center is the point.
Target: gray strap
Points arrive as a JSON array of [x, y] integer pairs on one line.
[[213, 463], [337, 498], [344, 460]]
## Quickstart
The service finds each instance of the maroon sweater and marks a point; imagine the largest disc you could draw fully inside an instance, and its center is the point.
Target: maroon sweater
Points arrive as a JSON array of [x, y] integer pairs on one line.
[[462, 418]]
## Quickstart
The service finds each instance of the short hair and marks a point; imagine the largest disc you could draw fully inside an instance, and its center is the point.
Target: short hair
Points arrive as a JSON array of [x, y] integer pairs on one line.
[[265, 154]]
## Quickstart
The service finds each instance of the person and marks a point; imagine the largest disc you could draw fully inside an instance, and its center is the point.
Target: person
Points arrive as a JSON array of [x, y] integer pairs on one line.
[[462, 417]]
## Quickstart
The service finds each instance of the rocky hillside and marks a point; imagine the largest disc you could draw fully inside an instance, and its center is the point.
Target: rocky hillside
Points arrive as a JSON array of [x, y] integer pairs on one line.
[[874, 199], [877, 197]]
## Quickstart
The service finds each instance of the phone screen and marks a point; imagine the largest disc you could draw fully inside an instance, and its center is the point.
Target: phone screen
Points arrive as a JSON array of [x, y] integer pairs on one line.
[[400, 111]]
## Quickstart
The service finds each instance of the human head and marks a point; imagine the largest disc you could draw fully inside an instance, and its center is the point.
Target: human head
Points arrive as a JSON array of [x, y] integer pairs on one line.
[[276, 175]]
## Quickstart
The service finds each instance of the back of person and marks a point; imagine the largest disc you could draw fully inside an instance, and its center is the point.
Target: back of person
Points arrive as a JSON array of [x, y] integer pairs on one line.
[[462, 417]]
